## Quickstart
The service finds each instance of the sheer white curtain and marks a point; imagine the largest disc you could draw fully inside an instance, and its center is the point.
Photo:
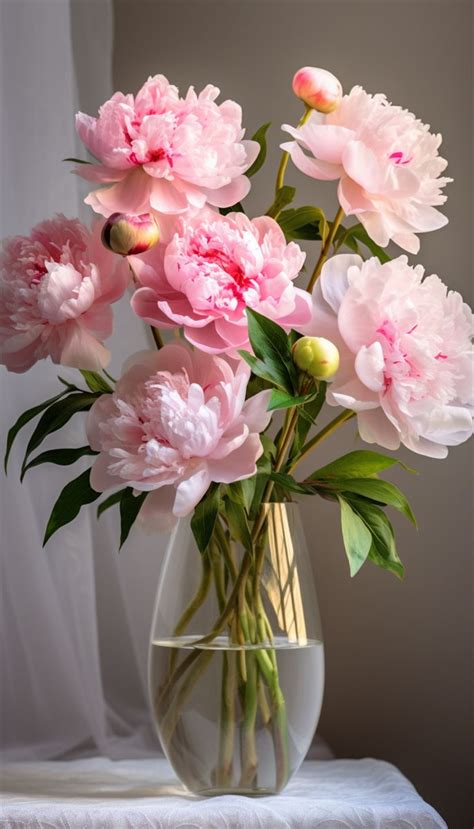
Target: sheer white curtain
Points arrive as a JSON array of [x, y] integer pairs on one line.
[[73, 619]]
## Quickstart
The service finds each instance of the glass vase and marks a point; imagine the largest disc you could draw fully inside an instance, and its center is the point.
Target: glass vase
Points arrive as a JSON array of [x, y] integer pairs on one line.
[[236, 661]]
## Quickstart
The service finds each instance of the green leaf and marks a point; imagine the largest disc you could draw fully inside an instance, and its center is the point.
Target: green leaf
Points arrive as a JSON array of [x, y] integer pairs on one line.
[[57, 416], [260, 137], [270, 344], [307, 415], [259, 368], [205, 516], [359, 464], [242, 492], [287, 482], [359, 232], [238, 523], [383, 551], [110, 501], [357, 538], [25, 418], [282, 400], [77, 160], [303, 222], [75, 494], [61, 457], [130, 506], [284, 196], [95, 382], [343, 237], [376, 490]]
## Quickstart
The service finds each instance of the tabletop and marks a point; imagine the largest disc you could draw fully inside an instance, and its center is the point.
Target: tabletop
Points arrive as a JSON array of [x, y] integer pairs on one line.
[[98, 793]]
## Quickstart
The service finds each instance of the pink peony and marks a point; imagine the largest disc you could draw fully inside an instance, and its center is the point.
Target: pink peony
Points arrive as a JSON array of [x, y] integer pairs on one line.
[[177, 420], [165, 153], [56, 287], [214, 267], [405, 350], [386, 161]]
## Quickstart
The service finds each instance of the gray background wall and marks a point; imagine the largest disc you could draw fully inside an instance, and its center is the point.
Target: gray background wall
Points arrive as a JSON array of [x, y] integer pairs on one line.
[[399, 682]]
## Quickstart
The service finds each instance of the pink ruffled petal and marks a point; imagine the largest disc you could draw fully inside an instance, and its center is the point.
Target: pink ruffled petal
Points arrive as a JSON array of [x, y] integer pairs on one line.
[[190, 491], [82, 350], [369, 365], [230, 193], [311, 166], [238, 465], [375, 427]]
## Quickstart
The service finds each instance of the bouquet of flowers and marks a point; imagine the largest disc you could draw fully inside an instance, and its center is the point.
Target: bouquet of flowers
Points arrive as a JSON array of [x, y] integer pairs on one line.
[[187, 429]]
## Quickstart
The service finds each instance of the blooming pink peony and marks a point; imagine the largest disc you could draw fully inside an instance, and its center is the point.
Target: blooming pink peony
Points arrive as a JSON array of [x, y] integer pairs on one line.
[[214, 267], [405, 351], [386, 161], [56, 287], [165, 153], [177, 420]]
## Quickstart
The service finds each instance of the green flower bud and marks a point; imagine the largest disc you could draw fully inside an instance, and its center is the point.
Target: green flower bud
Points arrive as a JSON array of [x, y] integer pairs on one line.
[[316, 356]]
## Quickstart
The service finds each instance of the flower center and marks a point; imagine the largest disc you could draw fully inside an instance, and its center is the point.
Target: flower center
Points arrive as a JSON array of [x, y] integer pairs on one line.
[[397, 363], [398, 157]]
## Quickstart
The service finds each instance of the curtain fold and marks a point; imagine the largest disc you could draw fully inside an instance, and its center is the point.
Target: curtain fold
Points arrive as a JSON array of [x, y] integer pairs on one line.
[[73, 645]]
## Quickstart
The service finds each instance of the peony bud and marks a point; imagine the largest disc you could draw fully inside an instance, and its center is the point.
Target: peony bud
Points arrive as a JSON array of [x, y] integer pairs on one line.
[[318, 88], [129, 235], [316, 356]]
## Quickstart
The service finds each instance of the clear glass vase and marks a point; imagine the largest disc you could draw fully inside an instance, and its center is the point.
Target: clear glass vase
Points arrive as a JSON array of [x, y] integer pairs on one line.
[[236, 713]]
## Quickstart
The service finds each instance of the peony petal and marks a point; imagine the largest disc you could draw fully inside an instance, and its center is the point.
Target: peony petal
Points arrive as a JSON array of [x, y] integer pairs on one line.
[[165, 198], [311, 166], [229, 194], [156, 513], [375, 427], [255, 411], [130, 195], [100, 478], [190, 491], [326, 142], [238, 465], [82, 350], [369, 366], [352, 395], [362, 165], [333, 279]]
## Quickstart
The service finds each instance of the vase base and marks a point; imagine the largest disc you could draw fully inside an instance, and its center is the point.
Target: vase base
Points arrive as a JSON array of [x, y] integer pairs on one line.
[[218, 792]]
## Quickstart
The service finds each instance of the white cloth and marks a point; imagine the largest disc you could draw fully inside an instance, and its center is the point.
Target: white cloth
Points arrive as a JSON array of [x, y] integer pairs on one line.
[[73, 635], [102, 794]]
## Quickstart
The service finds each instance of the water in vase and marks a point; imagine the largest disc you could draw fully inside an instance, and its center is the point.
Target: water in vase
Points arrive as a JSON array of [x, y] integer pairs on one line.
[[223, 723]]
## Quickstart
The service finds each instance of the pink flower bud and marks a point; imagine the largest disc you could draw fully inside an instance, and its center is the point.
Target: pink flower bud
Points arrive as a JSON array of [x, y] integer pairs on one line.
[[316, 356], [129, 235], [318, 88]]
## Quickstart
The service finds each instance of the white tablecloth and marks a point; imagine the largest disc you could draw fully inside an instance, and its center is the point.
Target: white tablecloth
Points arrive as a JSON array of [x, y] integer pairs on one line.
[[140, 794]]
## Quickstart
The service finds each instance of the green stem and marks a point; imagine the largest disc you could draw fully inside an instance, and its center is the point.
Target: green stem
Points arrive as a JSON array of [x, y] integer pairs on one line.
[[325, 249], [249, 745], [322, 435], [193, 606], [227, 724], [286, 156]]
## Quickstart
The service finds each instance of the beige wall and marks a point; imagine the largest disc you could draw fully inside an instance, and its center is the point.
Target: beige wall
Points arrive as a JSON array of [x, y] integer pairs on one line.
[[398, 655]]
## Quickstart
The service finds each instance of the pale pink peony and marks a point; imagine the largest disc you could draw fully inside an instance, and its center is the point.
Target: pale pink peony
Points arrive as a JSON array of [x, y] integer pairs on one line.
[[177, 420], [214, 267], [405, 349], [386, 161], [56, 287], [165, 153]]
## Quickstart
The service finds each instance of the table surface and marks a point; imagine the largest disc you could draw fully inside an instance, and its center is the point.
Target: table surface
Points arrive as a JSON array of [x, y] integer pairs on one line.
[[99, 793]]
